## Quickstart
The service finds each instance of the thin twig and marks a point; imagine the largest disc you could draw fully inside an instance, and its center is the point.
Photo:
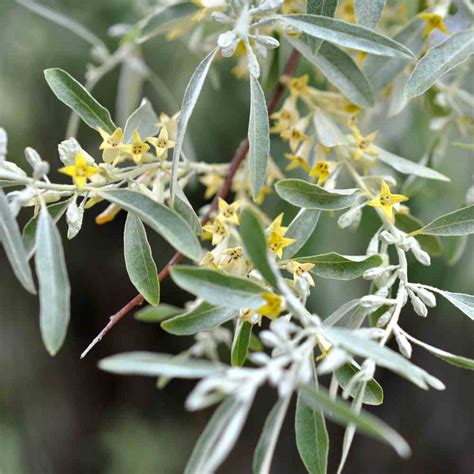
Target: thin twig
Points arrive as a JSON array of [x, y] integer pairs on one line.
[[237, 159]]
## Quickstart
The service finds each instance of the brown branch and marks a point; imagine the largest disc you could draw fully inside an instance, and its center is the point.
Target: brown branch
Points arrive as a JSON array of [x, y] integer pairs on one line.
[[237, 159]]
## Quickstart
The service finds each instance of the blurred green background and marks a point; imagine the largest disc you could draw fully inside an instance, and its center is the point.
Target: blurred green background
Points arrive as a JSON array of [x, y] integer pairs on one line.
[[63, 415]]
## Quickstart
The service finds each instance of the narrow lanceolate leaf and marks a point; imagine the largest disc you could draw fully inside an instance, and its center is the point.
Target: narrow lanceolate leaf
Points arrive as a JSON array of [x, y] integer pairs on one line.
[[191, 96], [346, 34], [312, 437], [368, 12], [340, 69], [327, 130], [319, 7], [454, 248], [143, 120], [265, 449], [203, 318], [462, 301], [382, 356], [169, 224], [300, 230], [341, 267], [156, 314], [373, 393], [219, 437], [12, 242], [258, 136], [438, 61], [184, 208], [255, 244], [452, 359], [429, 243], [366, 423], [54, 288], [404, 166], [139, 261], [75, 96], [156, 364], [460, 222], [303, 194], [217, 288], [382, 71], [240, 346]]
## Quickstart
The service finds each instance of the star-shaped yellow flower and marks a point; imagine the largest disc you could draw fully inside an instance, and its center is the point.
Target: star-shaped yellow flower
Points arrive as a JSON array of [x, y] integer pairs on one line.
[[113, 140], [171, 124], [433, 22], [162, 144], [286, 117], [276, 240], [137, 148], [386, 200], [299, 270], [322, 169], [363, 144], [273, 306], [217, 229], [80, 170], [296, 162], [299, 85], [228, 212], [294, 136], [209, 261], [213, 183]]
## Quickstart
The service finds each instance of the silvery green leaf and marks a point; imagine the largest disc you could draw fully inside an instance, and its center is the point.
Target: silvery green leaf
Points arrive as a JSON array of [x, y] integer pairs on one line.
[[429, 243], [462, 301], [67, 150], [340, 312], [341, 412], [190, 98], [12, 242], [75, 96], [184, 208], [54, 288], [258, 136], [255, 244], [460, 222], [3, 144], [381, 71], [373, 394], [301, 229], [341, 267], [304, 194], [74, 217], [312, 437], [438, 61], [217, 288], [404, 166], [56, 211], [143, 120], [169, 224], [156, 364], [203, 318], [156, 314], [453, 359], [139, 261], [263, 454], [347, 35], [454, 248], [327, 130], [340, 69], [368, 12], [219, 436], [382, 356], [322, 7], [240, 344]]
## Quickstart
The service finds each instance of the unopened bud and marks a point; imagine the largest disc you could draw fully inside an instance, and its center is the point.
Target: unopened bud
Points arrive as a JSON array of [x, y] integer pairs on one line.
[[373, 248], [384, 319], [403, 345], [387, 237], [372, 301], [373, 273], [418, 305], [422, 256], [426, 296]]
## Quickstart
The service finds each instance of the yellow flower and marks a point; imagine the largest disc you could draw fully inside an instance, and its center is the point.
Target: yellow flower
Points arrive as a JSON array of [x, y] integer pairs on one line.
[[294, 136], [218, 230], [213, 183], [433, 22], [300, 270], [261, 195], [324, 346], [276, 240], [363, 144], [322, 169], [299, 85], [228, 212], [346, 11], [386, 200], [80, 170], [209, 261], [137, 148], [162, 144], [171, 124], [232, 254], [286, 117], [273, 306], [111, 145], [296, 162], [108, 215]]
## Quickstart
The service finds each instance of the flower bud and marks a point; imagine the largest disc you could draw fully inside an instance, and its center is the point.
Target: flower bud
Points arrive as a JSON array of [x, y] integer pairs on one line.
[[373, 273], [74, 216], [426, 296], [268, 41], [384, 319], [403, 345], [372, 301], [422, 256], [387, 237], [418, 305], [373, 248]]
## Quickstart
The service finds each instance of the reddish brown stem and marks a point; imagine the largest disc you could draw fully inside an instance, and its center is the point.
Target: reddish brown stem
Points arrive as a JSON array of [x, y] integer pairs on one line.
[[237, 159]]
